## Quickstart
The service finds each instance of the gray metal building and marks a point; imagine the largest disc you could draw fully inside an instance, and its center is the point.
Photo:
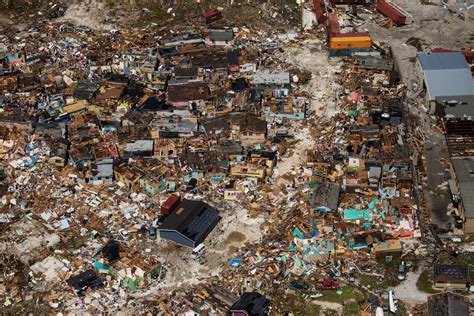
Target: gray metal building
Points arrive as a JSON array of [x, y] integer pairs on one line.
[[464, 169], [444, 74], [190, 223]]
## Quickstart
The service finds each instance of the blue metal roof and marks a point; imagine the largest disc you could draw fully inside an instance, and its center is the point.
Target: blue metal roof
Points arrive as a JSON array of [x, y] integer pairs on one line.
[[449, 82], [442, 61], [446, 74]]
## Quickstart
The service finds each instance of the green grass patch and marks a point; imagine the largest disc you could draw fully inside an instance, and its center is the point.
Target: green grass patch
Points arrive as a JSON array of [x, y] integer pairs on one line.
[[390, 278], [424, 283], [351, 309], [402, 310], [299, 306], [348, 292], [367, 281]]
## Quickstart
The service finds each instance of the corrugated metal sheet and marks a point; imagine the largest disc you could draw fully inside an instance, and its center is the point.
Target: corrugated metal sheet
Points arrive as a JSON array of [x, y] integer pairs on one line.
[[390, 11], [318, 10], [358, 2], [449, 82], [333, 24], [354, 34], [464, 169], [442, 61], [446, 74], [177, 238], [347, 52], [469, 55], [342, 42]]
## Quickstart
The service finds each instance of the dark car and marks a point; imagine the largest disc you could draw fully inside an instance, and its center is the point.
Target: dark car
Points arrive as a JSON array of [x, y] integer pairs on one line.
[[298, 285], [152, 233], [191, 184], [270, 46], [83, 28], [67, 28]]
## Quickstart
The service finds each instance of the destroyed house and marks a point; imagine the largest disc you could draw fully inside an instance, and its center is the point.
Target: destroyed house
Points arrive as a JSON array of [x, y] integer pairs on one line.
[[220, 37], [267, 158], [85, 90], [325, 197], [234, 59], [289, 108], [174, 126], [448, 304], [251, 128], [214, 59], [375, 63], [155, 173], [58, 151], [218, 126], [212, 15], [138, 148], [271, 78], [83, 281], [451, 276], [183, 95], [129, 176], [206, 162], [190, 223], [258, 164], [111, 91], [251, 304], [15, 117], [80, 155], [391, 112], [100, 171], [388, 248], [362, 239], [188, 73]]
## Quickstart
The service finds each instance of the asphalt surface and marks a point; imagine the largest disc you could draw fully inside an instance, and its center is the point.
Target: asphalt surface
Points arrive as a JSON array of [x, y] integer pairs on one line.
[[435, 151]]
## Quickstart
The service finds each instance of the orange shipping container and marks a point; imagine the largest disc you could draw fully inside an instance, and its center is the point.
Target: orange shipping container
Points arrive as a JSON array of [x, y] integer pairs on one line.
[[343, 42]]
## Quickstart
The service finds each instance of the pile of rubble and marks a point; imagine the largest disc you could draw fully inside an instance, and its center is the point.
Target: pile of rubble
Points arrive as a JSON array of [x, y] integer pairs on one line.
[[176, 171]]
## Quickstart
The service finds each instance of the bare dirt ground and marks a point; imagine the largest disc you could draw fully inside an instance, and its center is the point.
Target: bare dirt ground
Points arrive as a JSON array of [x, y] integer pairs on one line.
[[331, 308], [91, 13], [322, 88], [407, 290]]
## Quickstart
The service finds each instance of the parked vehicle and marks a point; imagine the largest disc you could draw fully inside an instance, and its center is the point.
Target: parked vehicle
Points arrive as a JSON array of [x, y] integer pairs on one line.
[[198, 251], [401, 271], [152, 232], [83, 28], [328, 285], [298, 285], [270, 46], [191, 184], [66, 28], [317, 295], [124, 233]]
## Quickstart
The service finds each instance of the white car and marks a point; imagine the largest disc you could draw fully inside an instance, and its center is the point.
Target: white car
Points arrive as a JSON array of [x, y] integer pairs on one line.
[[198, 251], [124, 233]]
